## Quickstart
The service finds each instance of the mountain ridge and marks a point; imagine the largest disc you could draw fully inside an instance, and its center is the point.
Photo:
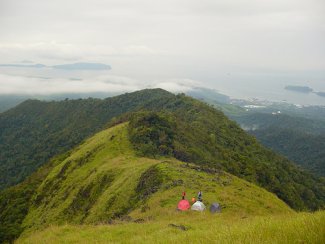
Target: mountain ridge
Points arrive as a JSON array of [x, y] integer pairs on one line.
[[203, 135], [104, 180], [51, 128]]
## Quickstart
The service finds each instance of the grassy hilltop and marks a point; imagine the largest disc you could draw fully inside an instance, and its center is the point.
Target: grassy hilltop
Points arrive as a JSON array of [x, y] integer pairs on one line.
[[102, 182], [104, 179]]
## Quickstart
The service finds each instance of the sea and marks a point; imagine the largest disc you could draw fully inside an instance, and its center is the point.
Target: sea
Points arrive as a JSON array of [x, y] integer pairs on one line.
[[273, 91]]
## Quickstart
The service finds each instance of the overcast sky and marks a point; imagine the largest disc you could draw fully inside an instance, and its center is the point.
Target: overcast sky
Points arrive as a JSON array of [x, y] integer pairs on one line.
[[169, 42]]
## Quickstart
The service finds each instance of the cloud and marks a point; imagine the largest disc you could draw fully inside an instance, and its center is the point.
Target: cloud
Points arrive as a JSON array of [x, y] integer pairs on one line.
[[177, 85], [40, 86], [11, 84]]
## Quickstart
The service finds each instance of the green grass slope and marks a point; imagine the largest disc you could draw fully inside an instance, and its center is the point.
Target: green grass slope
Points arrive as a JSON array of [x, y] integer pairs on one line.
[[199, 228], [103, 181]]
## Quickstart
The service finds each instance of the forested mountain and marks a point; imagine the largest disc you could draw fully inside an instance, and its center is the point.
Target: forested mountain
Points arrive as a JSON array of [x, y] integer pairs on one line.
[[302, 148], [9, 101], [35, 131], [297, 132], [253, 121], [301, 140]]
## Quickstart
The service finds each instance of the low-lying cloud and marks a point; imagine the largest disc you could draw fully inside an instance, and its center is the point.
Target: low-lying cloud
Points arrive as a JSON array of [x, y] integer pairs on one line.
[[11, 84]]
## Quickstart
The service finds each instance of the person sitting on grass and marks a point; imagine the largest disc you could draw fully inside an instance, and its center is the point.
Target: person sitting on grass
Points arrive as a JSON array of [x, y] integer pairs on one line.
[[199, 196]]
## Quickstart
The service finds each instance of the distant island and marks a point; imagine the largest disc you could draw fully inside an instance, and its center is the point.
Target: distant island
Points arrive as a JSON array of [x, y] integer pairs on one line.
[[302, 89], [73, 66], [321, 94]]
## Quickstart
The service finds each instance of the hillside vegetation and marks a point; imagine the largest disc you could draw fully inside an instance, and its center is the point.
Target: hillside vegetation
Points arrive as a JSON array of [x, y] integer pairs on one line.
[[301, 140], [255, 120], [186, 129], [209, 139], [104, 180], [296, 132], [35, 131], [307, 150]]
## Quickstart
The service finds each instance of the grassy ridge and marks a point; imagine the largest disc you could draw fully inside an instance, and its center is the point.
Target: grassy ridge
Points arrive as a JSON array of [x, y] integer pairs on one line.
[[201, 228], [103, 180], [94, 184]]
